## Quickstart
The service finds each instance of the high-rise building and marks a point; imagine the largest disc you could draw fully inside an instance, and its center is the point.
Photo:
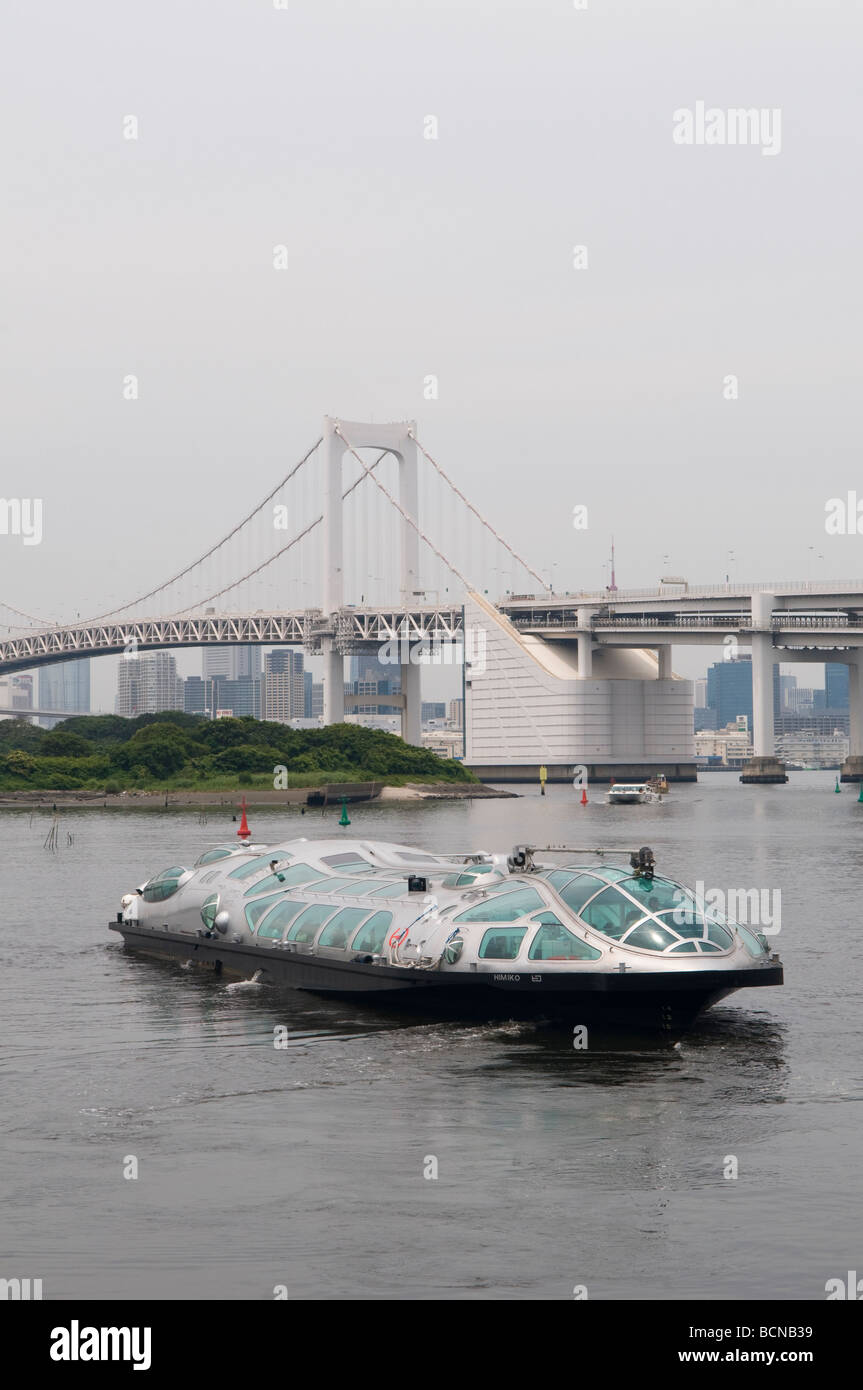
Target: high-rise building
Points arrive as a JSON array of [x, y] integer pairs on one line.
[[16, 695], [729, 690], [147, 684], [66, 687], [836, 685], [284, 687], [456, 713], [242, 697], [231, 662]]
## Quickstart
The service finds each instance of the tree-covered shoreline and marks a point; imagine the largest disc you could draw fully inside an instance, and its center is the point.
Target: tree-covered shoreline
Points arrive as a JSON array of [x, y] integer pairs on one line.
[[175, 750]]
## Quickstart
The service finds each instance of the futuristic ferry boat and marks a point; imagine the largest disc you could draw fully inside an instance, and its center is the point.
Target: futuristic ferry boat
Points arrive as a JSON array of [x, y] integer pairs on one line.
[[466, 933]]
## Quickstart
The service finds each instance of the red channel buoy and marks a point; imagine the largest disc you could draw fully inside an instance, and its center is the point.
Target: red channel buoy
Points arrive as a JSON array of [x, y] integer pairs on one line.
[[244, 832]]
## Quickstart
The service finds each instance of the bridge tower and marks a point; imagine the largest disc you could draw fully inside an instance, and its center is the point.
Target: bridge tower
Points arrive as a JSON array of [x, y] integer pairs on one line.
[[396, 439]]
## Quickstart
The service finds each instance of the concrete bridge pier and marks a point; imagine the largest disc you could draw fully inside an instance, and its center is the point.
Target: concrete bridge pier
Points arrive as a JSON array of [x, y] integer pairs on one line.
[[764, 766], [412, 707], [334, 683], [852, 768], [584, 637]]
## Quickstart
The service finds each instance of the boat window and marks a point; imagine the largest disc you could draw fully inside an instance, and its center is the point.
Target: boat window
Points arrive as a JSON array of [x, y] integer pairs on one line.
[[684, 948], [501, 943], [751, 942], [554, 942], [463, 880], [611, 912], [305, 928], [253, 866], [650, 936], [208, 878], [277, 918], [390, 890], [255, 911], [708, 946], [338, 931], [370, 938], [284, 878], [213, 854], [337, 885], [371, 885], [659, 894], [576, 893], [420, 858], [504, 907], [163, 885], [559, 878], [720, 936], [209, 908], [349, 863]]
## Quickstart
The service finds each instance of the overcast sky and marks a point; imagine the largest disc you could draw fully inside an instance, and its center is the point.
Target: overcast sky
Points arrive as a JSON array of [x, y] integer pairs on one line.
[[602, 386]]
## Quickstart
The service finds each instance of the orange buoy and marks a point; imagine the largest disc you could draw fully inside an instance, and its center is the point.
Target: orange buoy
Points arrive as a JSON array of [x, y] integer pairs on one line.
[[584, 796], [244, 832]]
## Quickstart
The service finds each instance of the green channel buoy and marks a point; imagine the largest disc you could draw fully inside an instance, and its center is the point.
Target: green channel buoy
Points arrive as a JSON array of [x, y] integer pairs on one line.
[[837, 787], [344, 818], [860, 797]]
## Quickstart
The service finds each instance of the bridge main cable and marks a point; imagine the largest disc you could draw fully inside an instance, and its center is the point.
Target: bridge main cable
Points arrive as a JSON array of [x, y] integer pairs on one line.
[[286, 547], [213, 548], [487, 524]]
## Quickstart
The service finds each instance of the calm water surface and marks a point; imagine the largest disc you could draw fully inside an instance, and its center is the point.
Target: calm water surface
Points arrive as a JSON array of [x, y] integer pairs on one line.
[[304, 1167]]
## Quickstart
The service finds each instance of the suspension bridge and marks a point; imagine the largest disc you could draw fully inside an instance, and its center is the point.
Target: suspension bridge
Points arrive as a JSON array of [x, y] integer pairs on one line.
[[367, 543]]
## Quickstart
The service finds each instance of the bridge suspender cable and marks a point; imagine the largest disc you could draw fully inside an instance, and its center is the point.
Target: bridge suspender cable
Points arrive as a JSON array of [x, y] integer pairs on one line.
[[400, 509], [479, 515], [286, 547]]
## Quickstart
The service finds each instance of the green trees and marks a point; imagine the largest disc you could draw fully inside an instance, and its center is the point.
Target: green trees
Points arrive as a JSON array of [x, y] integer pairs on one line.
[[95, 751]]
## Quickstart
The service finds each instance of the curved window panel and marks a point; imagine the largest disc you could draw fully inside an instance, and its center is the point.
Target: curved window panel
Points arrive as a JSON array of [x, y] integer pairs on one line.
[[338, 931], [209, 908], [501, 943], [277, 918], [751, 942], [685, 948], [163, 885], [720, 936], [370, 938], [390, 890], [659, 894], [650, 936], [556, 943], [256, 910], [212, 855], [612, 913], [708, 946], [371, 886], [505, 907], [254, 866], [576, 893], [285, 878], [347, 863], [683, 922], [337, 885], [305, 929]]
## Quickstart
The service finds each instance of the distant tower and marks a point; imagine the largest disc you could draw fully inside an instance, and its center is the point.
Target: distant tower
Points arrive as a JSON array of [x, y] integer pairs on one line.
[[612, 588]]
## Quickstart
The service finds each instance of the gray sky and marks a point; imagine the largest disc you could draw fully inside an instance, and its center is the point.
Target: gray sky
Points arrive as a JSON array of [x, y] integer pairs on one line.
[[410, 257]]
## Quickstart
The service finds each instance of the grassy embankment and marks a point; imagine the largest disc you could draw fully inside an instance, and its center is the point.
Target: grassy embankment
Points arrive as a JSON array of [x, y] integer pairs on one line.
[[158, 752]]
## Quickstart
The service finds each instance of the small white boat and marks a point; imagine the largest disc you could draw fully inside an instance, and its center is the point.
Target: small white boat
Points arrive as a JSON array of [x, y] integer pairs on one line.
[[628, 793]]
